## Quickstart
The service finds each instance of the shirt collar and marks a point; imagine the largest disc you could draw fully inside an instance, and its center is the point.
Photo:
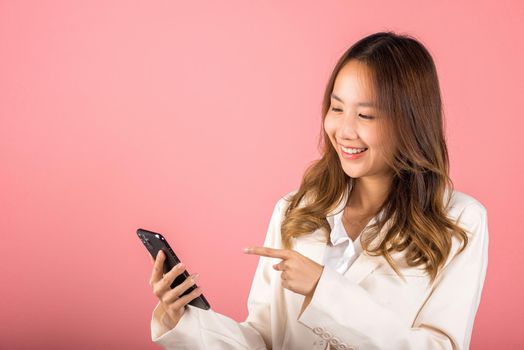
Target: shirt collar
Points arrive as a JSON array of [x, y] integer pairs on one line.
[[340, 207], [338, 232]]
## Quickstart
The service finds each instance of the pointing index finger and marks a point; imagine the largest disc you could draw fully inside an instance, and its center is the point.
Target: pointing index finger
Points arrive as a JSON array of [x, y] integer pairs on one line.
[[269, 252]]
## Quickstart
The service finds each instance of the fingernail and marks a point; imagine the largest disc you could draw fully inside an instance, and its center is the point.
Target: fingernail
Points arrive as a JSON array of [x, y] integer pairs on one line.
[[196, 277], [180, 265], [246, 250]]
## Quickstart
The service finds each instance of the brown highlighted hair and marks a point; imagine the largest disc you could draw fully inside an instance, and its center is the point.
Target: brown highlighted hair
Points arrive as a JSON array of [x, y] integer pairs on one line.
[[406, 89]]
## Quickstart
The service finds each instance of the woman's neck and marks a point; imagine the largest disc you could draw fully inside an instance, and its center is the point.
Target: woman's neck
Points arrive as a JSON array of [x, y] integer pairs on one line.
[[368, 194]]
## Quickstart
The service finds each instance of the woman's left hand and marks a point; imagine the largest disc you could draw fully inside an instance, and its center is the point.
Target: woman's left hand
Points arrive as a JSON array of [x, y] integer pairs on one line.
[[299, 273]]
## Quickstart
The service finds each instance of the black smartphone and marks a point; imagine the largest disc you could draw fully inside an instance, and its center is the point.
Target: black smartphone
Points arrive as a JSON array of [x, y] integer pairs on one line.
[[154, 242]]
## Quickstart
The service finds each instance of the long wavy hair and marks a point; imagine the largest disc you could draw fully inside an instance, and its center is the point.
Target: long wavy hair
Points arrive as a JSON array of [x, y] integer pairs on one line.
[[407, 92]]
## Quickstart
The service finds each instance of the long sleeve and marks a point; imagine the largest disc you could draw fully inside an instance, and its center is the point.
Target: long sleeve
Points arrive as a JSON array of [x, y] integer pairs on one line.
[[207, 329], [445, 319]]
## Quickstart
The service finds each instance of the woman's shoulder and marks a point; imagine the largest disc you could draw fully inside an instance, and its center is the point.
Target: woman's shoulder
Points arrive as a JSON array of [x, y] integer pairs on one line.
[[282, 202], [284, 199], [462, 201], [471, 212], [289, 194]]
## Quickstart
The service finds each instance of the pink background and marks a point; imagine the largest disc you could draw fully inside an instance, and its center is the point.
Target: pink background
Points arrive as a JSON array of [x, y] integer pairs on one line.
[[192, 119]]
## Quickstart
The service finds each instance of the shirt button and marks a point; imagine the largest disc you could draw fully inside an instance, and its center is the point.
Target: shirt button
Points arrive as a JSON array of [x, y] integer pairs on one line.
[[334, 341], [326, 335], [343, 346], [318, 330]]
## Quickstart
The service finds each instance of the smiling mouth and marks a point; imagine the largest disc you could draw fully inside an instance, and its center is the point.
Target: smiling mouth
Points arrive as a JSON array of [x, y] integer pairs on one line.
[[353, 150]]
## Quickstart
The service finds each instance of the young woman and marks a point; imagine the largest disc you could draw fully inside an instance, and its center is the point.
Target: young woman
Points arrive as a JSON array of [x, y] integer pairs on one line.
[[374, 250]]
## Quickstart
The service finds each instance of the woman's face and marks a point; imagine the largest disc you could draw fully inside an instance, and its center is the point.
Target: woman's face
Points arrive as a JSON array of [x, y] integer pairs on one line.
[[352, 122]]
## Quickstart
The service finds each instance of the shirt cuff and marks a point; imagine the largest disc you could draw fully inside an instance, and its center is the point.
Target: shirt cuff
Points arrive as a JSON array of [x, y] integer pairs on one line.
[[186, 333]]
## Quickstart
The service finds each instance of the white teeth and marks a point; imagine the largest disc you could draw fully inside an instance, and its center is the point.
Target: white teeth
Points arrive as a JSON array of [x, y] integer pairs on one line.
[[353, 150]]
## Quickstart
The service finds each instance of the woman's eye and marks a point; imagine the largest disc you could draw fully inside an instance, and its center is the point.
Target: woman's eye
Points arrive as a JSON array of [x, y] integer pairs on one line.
[[369, 117]]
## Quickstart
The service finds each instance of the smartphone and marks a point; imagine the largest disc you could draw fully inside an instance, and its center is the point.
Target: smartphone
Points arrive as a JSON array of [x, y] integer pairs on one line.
[[154, 242]]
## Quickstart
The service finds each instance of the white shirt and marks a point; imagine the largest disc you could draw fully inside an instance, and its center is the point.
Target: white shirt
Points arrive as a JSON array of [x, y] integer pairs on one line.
[[341, 251]]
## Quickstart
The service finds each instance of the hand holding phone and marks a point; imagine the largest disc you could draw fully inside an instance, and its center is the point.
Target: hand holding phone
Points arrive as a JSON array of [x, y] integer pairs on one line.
[[170, 281], [172, 301]]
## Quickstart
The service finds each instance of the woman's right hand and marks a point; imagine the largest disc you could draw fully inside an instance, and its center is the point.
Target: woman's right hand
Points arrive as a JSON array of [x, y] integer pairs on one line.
[[170, 300]]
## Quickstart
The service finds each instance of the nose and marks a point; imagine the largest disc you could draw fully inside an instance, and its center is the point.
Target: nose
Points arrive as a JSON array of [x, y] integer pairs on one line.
[[348, 129]]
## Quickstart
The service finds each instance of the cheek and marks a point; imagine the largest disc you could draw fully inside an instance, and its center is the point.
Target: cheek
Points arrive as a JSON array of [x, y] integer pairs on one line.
[[370, 137], [381, 150], [330, 127]]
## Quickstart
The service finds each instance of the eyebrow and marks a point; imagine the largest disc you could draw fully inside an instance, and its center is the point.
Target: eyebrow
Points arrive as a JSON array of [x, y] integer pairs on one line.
[[363, 104]]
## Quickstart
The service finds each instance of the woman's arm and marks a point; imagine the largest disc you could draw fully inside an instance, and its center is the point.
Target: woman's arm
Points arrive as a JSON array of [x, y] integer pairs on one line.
[[207, 329], [346, 310]]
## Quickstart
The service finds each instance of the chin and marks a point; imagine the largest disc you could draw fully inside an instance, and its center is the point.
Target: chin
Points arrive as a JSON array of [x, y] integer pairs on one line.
[[353, 174]]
